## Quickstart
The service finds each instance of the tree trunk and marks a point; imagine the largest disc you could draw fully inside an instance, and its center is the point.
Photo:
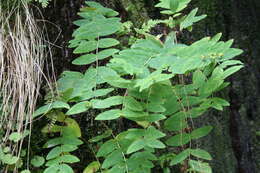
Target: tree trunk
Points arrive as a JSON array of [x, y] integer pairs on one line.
[[235, 132], [233, 143]]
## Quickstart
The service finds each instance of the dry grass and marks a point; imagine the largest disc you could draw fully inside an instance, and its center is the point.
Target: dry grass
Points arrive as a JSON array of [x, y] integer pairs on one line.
[[22, 56]]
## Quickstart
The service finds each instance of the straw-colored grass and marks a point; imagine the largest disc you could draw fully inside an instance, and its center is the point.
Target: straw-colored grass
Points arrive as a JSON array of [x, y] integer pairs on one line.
[[22, 56]]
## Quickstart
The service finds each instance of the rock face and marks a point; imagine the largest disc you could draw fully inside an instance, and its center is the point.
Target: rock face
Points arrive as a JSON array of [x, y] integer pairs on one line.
[[233, 143]]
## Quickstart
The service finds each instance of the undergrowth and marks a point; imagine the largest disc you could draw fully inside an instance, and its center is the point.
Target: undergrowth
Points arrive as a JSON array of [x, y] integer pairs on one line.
[[156, 88]]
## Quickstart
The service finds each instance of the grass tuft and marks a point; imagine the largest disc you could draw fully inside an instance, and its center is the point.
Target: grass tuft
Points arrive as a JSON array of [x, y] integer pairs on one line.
[[22, 56]]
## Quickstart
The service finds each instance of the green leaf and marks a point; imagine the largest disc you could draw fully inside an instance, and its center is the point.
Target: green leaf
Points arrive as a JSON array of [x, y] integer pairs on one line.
[[71, 140], [174, 4], [80, 22], [217, 37], [100, 137], [37, 161], [9, 159], [201, 132], [85, 59], [95, 29], [53, 142], [92, 167], [176, 122], [68, 140], [152, 133], [133, 104], [66, 95], [154, 77], [26, 171], [231, 70], [155, 117], [201, 154], [67, 158], [141, 162], [136, 146], [112, 159], [64, 168], [55, 152], [76, 81], [218, 103], [118, 168], [107, 42], [99, 75], [179, 140], [15, 136], [155, 107], [188, 64], [102, 10], [135, 134], [154, 144], [230, 63], [134, 115], [59, 104], [90, 58], [166, 4], [52, 169], [198, 78], [109, 115], [180, 157], [200, 166], [55, 105], [86, 46], [106, 103], [102, 92], [68, 148], [117, 81], [190, 19], [72, 128], [232, 52], [210, 86], [106, 53], [107, 148], [6, 149], [171, 105], [79, 108], [94, 4]]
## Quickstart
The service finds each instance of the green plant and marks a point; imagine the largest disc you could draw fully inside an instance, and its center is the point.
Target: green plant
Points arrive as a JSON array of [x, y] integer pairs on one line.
[[44, 3], [11, 159], [59, 156], [160, 86], [67, 140]]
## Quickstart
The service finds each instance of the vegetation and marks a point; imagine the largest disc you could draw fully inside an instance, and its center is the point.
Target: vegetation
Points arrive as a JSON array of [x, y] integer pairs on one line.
[[156, 86], [22, 56]]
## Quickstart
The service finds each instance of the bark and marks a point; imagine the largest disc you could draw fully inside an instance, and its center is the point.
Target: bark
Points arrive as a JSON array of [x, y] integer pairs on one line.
[[233, 143]]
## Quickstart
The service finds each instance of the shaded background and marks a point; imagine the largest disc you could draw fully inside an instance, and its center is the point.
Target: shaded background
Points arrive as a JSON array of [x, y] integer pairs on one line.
[[233, 142]]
